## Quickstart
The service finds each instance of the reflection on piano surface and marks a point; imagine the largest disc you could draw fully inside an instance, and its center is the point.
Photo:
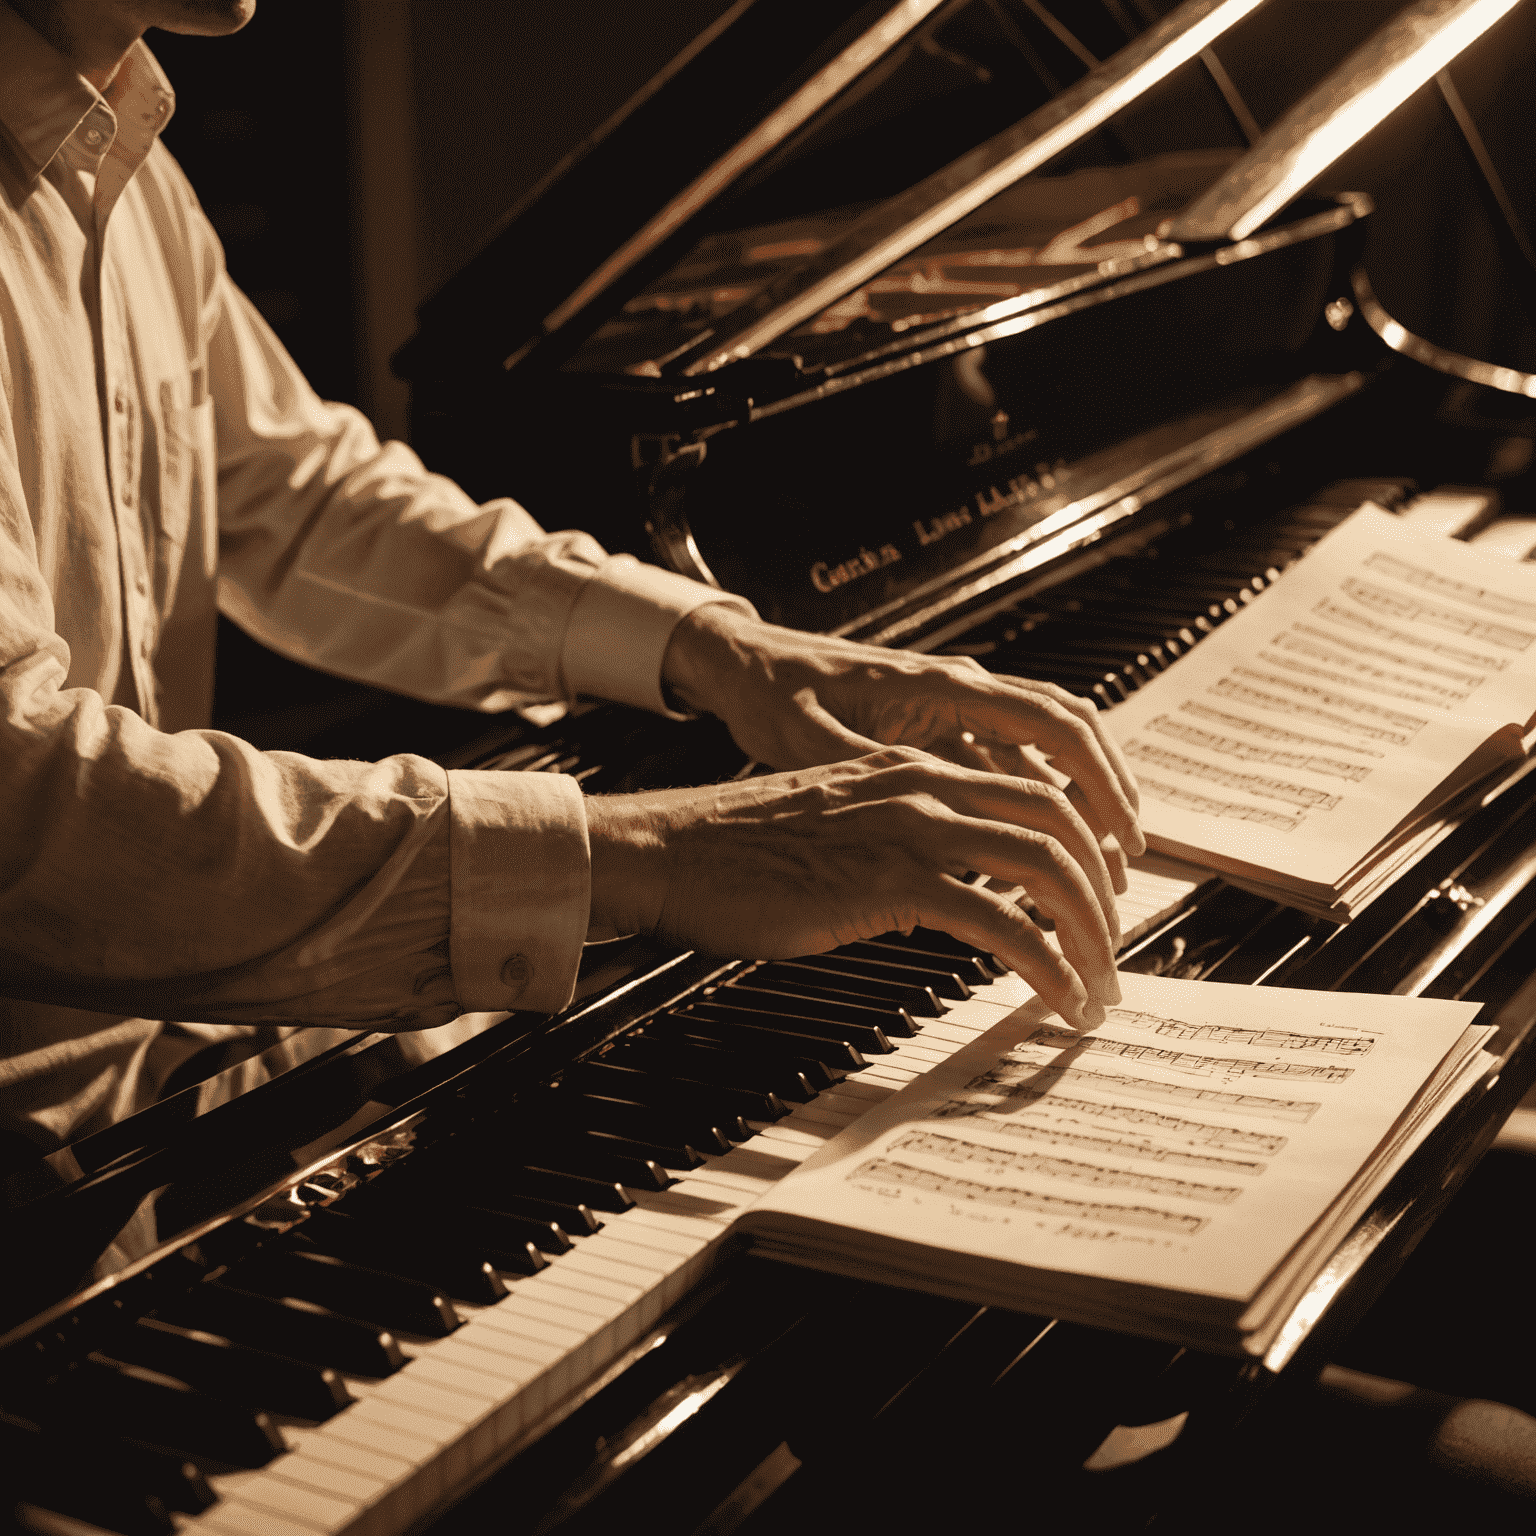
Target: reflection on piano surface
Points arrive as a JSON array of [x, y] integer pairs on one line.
[[886, 330]]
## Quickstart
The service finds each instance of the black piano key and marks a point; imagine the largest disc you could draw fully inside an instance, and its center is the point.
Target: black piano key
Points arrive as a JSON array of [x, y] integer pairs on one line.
[[932, 941], [446, 1261], [167, 1411], [527, 1258], [75, 1471], [674, 1155], [807, 1000], [302, 1329], [965, 967], [550, 1145], [559, 1132], [574, 1217], [761, 1009], [713, 1064], [918, 999], [448, 1209], [374, 1295], [612, 1080], [574, 1188], [24, 1518], [224, 1369], [807, 1053], [593, 1112], [909, 971]]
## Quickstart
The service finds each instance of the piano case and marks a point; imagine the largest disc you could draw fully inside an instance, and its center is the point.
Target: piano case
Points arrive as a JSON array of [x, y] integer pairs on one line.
[[918, 323]]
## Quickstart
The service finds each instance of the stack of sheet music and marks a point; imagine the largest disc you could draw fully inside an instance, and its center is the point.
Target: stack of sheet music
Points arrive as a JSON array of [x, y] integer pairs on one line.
[[1184, 1171], [1325, 738]]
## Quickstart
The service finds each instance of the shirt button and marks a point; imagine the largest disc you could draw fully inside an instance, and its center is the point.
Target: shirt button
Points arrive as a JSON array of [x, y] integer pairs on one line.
[[120, 402], [516, 973], [140, 585]]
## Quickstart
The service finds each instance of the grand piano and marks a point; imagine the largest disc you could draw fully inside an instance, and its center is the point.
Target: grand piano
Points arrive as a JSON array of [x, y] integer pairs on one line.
[[1039, 336]]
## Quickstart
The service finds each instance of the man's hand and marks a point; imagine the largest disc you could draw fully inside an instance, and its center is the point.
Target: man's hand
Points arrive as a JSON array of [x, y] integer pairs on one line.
[[792, 700], [798, 863]]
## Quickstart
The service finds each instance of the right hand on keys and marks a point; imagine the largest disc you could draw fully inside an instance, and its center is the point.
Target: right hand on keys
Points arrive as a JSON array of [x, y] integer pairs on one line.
[[798, 863]]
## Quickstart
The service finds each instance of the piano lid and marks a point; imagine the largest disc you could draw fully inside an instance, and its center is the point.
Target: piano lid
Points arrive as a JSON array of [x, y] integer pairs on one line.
[[797, 160], [894, 121]]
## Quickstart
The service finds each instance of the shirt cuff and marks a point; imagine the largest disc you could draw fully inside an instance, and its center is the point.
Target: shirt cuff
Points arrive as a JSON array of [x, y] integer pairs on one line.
[[520, 886], [620, 626]]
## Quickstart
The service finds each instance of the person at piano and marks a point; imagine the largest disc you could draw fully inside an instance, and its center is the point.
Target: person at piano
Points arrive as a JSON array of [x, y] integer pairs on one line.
[[162, 458]]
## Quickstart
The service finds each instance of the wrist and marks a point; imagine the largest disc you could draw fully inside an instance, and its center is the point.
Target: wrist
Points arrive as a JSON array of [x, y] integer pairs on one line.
[[627, 851], [702, 657]]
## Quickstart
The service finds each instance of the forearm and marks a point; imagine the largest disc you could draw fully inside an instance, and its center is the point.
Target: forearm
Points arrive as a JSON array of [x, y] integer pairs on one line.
[[190, 876]]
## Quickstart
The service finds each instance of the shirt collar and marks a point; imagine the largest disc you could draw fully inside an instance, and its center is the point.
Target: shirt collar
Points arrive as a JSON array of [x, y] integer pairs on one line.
[[44, 99]]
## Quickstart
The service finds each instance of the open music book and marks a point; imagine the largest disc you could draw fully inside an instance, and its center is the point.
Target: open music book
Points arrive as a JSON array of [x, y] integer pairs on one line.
[[1180, 1172], [1328, 735]]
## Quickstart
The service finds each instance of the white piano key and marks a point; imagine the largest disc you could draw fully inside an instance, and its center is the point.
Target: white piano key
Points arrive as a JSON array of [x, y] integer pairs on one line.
[[1454, 510], [330, 1451], [469, 1374], [583, 1280], [1512, 535], [232, 1518], [304, 1506], [796, 1142], [455, 1413], [857, 1088], [572, 1309], [380, 1464]]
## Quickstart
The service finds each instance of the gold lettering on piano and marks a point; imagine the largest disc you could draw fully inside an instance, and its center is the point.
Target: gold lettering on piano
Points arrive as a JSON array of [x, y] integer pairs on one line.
[[828, 578], [934, 528]]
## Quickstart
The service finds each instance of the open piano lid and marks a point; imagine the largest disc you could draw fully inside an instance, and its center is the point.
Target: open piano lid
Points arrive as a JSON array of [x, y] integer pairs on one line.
[[737, 200]]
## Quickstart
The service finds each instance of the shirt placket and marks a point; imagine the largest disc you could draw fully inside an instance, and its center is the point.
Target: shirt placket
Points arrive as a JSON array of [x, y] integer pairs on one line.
[[123, 414]]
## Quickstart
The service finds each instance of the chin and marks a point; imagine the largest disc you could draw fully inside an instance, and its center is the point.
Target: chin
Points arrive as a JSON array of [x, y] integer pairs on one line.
[[203, 18]]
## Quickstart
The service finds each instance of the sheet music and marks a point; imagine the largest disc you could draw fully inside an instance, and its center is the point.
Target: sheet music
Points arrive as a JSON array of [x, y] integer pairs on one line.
[[1386, 666], [1189, 1142]]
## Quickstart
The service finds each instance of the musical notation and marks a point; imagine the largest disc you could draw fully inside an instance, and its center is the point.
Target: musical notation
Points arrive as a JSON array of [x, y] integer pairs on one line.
[[1271, 732], [1236, 1034], [1368, 678], [1371, 720], [1473, 594], [1357, 647], [880, 1170], [951, 1149], [1188, 800], [1336, 613], [1250, 752], [1300, 795], [1007, 1074], [1187, 1061], [1028, 1095], [1105, 1146], [1412, 610]]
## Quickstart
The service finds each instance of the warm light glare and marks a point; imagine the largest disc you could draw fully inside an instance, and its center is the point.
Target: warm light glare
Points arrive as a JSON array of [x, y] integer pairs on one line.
[[1349, 125]]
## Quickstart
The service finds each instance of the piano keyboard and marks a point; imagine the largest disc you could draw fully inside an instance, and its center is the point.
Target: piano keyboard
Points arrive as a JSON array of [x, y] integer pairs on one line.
[[418, 1438]]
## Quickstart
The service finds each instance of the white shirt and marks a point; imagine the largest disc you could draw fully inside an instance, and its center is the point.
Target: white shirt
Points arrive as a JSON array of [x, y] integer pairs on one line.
[[161, 457]]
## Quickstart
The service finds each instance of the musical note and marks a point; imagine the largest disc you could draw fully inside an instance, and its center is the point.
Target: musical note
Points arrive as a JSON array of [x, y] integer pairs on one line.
[[1028, 1097], [1007, 1074], [1235, 1034], [881, 1170], [952, 1150]]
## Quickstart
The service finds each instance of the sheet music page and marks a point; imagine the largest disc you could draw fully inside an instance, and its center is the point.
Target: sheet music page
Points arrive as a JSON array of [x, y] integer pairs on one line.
[[1189, 1142], [1295, 738]]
